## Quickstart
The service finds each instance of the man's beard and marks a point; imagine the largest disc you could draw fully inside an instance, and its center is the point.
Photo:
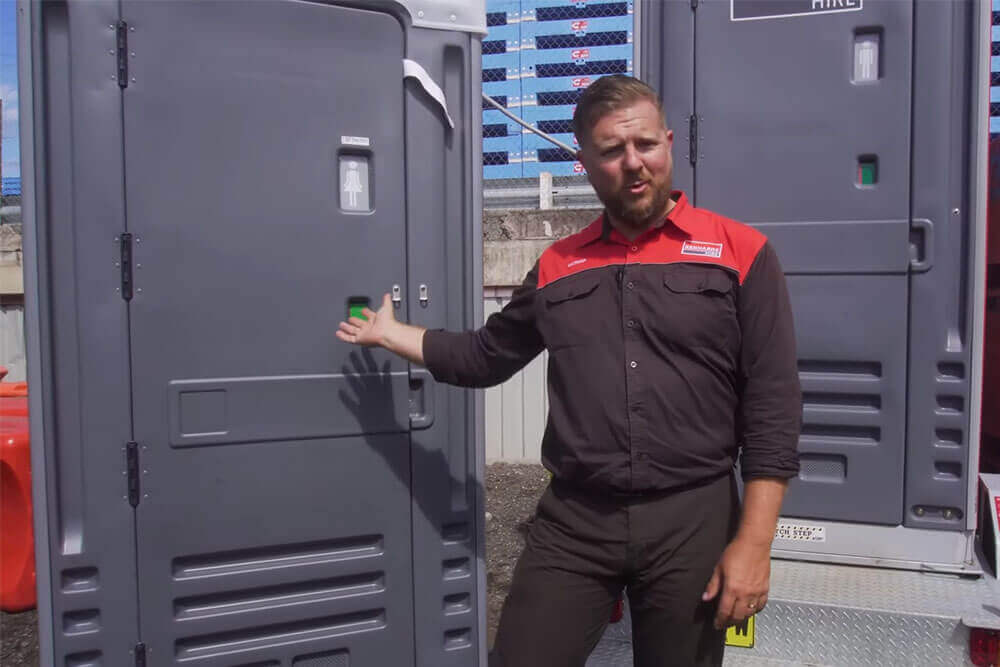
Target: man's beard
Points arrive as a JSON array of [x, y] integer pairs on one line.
[[638, 213]]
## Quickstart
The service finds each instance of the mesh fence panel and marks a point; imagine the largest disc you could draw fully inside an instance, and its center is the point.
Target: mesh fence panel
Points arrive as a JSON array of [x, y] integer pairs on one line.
[[500, 99], [495, 158], [575, 41], [581, 11], [494, 74], [576, 69], [555, 155], [496, 18], [555, 126], [558, 98], [494, 47], [495, 130]]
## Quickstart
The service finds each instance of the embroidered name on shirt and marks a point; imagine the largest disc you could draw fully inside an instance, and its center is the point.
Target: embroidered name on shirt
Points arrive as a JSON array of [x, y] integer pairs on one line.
[[575, 262], [702, 249]]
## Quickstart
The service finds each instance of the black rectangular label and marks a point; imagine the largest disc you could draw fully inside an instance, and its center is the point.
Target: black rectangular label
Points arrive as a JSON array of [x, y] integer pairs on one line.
[[750, 10]]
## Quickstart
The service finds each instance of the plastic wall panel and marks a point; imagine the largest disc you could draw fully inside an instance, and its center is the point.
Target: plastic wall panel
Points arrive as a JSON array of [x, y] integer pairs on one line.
[[84, 524], [444, 253], [938, 438]]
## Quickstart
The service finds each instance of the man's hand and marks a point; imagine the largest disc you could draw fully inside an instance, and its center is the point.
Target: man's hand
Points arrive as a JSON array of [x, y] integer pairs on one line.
[[743, 575], [371, 331], [382, 329]]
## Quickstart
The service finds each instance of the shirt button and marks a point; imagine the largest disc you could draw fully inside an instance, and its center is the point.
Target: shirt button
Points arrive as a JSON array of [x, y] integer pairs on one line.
[[635, 248], [633, 364], [631, 284], [631, 323]]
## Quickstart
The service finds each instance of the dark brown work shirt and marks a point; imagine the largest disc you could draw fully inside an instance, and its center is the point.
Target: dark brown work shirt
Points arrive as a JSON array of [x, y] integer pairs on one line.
[[667, 354]]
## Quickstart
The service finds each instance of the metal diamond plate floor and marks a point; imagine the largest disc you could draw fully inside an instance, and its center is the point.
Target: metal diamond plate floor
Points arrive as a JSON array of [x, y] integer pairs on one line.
[[821, 614]]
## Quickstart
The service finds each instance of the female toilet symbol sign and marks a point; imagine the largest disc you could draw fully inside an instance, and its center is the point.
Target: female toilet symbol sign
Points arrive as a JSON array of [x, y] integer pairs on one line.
[[355, 183], [352, 184]]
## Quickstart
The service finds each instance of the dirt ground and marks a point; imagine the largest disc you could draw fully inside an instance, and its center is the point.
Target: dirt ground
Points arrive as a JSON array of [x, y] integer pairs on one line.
[[512, 491]]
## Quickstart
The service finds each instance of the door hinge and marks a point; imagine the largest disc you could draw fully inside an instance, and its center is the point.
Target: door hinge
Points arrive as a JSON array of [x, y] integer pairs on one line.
[[121, 42], [126, 265], [140, 655], [693, 139], [132, 472]]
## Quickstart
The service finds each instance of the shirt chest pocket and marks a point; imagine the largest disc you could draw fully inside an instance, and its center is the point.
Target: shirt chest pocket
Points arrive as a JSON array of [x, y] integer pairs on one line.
[[697, 307], [572, 312]]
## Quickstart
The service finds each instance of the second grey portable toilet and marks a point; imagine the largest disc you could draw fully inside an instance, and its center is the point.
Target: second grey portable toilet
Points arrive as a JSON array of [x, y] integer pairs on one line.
[[210, 187]]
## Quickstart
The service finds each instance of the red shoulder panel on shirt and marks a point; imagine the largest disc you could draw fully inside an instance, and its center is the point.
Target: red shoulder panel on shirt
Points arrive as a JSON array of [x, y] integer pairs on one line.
[[689, 235]]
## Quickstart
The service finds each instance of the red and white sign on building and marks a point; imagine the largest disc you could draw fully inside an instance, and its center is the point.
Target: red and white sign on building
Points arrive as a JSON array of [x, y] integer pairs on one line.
[[580, 55]]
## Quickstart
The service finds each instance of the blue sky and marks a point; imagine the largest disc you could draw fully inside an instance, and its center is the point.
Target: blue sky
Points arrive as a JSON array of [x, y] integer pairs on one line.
[[8, 88]]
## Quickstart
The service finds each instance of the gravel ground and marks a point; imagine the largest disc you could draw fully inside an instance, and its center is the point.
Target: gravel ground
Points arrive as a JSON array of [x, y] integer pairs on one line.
[[512, 491], [19, 639]]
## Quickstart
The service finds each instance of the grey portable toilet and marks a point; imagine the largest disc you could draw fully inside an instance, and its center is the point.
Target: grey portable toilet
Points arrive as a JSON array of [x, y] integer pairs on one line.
[[209, 188], [848, 131]]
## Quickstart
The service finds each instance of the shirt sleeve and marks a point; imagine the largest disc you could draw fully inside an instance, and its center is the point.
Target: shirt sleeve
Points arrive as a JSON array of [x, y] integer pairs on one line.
[[494, 352], [771, 397]]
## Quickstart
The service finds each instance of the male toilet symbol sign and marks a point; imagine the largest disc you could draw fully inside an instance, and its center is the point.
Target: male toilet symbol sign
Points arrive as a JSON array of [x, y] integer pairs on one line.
[[355, 187]]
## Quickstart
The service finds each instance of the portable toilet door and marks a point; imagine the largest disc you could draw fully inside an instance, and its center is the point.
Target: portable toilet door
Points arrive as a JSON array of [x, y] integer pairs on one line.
[[847, 133], [210, 188]]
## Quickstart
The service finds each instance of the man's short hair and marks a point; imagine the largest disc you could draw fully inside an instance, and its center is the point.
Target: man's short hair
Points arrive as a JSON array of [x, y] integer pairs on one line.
[[607, 94]]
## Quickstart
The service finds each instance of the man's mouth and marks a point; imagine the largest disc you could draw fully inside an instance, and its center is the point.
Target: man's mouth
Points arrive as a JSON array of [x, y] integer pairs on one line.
[[638, 187]]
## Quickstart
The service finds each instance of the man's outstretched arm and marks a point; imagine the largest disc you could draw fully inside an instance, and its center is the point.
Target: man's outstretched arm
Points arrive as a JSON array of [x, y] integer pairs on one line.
[[481, 358]]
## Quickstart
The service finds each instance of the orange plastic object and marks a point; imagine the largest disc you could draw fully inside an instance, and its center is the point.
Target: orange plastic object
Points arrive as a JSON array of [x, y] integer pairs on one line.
[[17, 545]]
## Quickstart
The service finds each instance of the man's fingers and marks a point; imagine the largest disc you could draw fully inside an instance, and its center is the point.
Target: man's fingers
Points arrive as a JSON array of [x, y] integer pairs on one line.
[[346, 337], [358, 322], [724, 616], [713, 585], [386, 301], [349, 330], [368, 312]]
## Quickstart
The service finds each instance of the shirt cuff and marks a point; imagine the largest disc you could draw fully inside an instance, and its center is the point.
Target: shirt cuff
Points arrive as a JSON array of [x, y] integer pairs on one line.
[[436, 344], [776, 466]]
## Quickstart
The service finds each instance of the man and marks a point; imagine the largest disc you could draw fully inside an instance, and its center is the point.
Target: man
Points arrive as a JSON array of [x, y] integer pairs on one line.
[[671, 347]]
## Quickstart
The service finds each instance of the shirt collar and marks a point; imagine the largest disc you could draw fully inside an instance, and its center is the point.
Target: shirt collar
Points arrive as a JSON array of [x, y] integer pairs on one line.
[[681, 216]]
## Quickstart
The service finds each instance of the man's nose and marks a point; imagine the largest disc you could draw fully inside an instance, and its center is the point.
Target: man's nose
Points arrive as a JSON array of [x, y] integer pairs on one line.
[[631, 160]]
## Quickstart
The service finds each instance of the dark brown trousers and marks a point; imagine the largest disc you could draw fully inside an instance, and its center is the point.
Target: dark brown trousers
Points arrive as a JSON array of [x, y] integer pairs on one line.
[[582, 550]]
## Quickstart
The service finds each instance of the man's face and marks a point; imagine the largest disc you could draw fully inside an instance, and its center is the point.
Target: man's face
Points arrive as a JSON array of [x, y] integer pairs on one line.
[[627, 158]]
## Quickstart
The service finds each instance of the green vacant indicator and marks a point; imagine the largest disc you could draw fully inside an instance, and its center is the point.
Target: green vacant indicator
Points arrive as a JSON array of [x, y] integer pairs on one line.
[[355, 306], [867, 172]]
